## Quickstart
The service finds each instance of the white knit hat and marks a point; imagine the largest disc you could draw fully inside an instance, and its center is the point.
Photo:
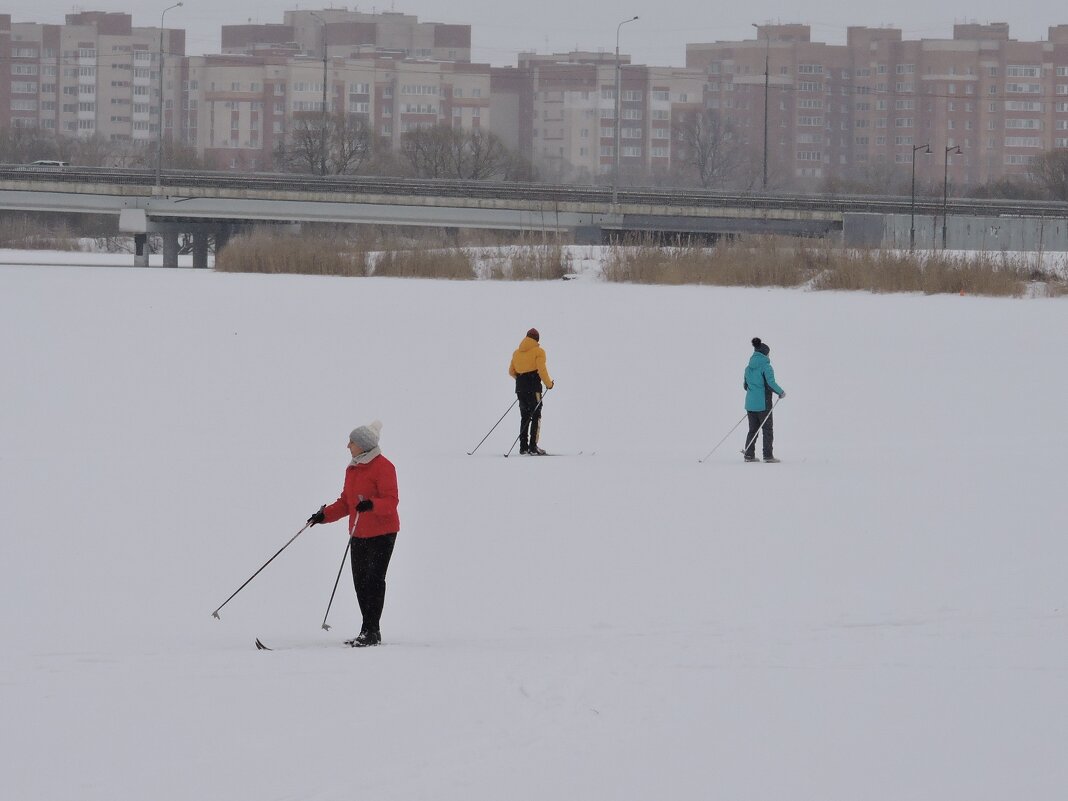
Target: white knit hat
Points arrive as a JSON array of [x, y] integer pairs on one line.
[[366, 437]]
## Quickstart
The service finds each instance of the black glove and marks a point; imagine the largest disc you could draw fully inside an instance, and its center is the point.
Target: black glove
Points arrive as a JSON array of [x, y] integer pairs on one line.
[[366, 505], [782, 394], [318, 517]]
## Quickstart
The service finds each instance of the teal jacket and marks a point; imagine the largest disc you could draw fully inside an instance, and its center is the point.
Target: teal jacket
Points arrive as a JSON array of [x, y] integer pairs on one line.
[[759, 377]]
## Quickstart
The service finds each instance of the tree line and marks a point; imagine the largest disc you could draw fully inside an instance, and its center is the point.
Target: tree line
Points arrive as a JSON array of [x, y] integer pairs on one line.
[[709, 152]]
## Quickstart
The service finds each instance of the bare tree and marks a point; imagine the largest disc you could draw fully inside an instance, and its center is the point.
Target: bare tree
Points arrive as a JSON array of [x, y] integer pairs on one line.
[[92, 151], [518, 168], [428, 150], [346, 137], [710, 148], [1051, 170], [132, 153], [349, 141], [441, 151], [23, 145], [481, 155]]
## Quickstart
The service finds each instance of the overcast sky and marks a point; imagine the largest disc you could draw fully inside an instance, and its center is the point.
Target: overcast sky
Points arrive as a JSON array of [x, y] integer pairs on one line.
[[503, 28]]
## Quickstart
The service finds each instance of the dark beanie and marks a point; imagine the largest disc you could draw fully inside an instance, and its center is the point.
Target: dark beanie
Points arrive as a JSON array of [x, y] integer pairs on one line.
[[756, 343], [533, 334]]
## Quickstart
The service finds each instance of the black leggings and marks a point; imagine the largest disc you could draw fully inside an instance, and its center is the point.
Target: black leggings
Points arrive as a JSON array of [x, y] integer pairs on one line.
[[370, 560]]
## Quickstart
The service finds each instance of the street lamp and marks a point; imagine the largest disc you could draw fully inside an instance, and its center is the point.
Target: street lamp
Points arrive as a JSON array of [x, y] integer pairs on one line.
[[615, 170], [322, 121], [912, 218], [945, 190], [159, 134], [767, 56]]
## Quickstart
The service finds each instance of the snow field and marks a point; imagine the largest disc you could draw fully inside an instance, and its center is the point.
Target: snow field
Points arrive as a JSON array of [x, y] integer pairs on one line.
[[881, 616]]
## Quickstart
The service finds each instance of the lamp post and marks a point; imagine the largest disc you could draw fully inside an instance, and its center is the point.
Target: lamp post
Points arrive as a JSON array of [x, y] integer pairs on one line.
[[159, 134], [912, 217], [322, 120], [945, 190], [767, 57], [615, 169]]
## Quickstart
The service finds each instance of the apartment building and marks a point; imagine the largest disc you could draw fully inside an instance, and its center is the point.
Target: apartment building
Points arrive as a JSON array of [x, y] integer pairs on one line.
[[95, 75], [840, 110], [572, 113], [351, 34], [238, 108]]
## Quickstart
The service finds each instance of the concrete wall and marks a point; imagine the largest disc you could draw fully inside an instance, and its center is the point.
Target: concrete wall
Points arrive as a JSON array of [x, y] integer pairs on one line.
[[962, 233]]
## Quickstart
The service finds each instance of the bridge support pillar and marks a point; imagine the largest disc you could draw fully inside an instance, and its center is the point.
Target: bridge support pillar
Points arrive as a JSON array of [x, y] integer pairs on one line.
[[200, 250], [140, 250], [170, 248]]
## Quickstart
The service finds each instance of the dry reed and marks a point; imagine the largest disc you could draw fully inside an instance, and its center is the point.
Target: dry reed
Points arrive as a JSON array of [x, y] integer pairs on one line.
[[816, 264], [930, 273], [264, 251], [25, 233], [765, 262], [451, 263], [530, 263]]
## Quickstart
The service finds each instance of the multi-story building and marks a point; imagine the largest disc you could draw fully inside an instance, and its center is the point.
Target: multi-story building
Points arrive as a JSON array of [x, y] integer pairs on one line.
[[836, 110], [350, 34], [572, 113], [96, 75], [237, 109], [863, 109]]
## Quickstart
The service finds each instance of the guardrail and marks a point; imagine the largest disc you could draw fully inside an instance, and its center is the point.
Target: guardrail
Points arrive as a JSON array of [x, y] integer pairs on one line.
[[536, 192]]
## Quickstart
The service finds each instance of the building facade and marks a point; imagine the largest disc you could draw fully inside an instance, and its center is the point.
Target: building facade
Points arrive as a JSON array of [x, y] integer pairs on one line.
[[571, 114], [350, 34], [95, 75], [862, 110], [836, 111], [237, 109]]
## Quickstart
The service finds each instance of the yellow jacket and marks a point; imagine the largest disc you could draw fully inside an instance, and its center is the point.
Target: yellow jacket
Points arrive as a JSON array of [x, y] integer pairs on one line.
[[528, 357]]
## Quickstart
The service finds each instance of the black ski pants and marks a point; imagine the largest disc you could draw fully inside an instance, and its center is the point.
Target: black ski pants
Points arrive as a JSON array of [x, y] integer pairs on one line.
[[370, 560], [754, 427], [529, 419]]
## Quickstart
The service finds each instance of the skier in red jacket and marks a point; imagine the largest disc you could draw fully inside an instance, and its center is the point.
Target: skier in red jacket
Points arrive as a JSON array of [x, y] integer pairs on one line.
[[369, 499]]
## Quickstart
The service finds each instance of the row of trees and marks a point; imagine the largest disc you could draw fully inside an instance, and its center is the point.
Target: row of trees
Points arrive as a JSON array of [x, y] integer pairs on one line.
[[342, 144], [711, 154], [23, 145], [715, 156]]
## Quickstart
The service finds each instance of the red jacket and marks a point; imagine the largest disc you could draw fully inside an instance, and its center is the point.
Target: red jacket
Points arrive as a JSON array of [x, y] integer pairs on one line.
[[375, 481]]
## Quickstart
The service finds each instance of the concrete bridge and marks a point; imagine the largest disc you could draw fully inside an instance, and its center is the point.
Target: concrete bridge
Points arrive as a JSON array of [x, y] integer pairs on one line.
[[203, 204]]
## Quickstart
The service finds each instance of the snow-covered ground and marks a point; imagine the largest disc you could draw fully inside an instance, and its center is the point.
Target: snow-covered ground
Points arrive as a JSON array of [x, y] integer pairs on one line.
[[880, 617]]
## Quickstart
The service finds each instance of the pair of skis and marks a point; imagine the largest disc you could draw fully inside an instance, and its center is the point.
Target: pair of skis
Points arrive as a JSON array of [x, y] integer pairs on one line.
[[261, 647]]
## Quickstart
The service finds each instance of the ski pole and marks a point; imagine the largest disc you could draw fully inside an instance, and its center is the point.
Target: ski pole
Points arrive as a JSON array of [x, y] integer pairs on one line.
[[753, 439], [338, 579], [215, 614], [352, 530], [546, 392], [707, 455], [471, 453]]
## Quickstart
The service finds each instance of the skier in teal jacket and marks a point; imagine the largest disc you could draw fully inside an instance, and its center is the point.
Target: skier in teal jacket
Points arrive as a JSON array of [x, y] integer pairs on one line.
[[759, 384]]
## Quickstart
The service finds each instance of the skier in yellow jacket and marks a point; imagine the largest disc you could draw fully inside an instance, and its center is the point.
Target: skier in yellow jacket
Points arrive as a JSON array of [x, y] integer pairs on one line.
[[529, 371]]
